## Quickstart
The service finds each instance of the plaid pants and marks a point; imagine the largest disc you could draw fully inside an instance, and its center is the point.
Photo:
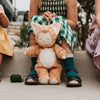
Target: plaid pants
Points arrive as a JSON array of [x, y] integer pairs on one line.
[[66, 31]]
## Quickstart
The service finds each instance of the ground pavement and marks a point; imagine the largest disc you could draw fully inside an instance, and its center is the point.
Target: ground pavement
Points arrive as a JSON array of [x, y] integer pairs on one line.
[[18, 91]]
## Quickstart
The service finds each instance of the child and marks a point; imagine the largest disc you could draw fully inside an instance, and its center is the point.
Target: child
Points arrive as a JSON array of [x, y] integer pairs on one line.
[[52, 11], [5, 47], [93, 41]]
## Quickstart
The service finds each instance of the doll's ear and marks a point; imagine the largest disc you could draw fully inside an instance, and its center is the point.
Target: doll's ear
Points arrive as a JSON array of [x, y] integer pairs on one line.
[[35, 27], [56, 27]]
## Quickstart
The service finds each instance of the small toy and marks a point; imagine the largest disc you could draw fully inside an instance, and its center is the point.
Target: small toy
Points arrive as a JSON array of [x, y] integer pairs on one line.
[[16, 78]]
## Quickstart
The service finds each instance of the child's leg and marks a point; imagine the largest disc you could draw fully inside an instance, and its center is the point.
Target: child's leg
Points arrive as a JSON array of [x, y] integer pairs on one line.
[[73, 78], [33, 59], [32, 77], [69, 38]]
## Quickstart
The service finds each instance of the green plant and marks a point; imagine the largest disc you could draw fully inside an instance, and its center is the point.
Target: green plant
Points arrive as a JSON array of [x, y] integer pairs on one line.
[[22, 41], [86, 10]]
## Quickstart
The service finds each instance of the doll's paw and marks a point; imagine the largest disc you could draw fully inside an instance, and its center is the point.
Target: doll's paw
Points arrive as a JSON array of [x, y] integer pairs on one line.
[[30, 51], [44, 81], [53, 81], [64, 54], [64, 57]]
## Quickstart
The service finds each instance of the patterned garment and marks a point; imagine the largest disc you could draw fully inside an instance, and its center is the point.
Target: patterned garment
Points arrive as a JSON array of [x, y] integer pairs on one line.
[[93, 43], [54, 6], [66, 31]]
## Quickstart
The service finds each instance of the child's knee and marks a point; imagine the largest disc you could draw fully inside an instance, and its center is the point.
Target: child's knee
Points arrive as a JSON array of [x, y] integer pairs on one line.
[[38, 19]]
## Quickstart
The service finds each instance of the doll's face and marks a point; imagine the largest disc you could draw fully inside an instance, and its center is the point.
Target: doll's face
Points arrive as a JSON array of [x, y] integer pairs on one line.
[[44, 38], [46, 35]]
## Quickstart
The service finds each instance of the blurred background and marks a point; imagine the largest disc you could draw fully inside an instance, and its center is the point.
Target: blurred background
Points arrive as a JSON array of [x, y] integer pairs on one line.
[[16, 10]]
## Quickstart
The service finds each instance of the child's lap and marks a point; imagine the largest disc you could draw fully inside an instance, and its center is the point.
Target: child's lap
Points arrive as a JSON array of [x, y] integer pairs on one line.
[[66, 31]]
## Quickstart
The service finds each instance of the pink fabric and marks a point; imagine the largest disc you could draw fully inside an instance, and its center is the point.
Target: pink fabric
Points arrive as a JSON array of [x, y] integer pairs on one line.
[[93, 43]]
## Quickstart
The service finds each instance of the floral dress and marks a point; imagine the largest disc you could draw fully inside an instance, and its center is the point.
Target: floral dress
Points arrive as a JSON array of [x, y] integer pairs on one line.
[[93, 43]]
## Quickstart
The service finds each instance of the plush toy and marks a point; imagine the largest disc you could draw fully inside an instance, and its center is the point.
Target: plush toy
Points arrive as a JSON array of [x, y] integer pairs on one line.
[[47, 67]]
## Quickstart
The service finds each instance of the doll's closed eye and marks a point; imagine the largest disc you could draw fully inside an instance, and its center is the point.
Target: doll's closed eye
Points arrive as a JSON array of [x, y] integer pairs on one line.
[[40, 39]]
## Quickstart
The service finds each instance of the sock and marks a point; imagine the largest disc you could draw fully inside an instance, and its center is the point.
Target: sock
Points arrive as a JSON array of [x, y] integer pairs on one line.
[[34, 61], [69, 64]]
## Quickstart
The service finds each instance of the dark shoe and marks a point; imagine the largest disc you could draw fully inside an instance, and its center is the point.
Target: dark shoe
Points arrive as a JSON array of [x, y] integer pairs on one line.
[[74, 82], [31, 80]]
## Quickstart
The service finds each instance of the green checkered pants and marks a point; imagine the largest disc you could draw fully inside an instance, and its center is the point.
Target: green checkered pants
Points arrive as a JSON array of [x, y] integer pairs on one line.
[[66, 31]]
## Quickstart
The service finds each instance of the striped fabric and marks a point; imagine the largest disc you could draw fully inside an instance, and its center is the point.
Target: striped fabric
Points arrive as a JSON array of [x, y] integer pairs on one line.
[[57, 6], [66, 31]]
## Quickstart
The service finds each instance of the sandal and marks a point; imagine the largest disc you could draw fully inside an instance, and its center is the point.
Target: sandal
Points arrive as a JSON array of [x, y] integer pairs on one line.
[[31, 80], [73, 81]]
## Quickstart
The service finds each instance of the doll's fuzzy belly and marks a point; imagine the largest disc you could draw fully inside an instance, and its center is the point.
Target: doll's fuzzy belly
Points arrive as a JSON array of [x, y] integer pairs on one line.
[[47, 57]]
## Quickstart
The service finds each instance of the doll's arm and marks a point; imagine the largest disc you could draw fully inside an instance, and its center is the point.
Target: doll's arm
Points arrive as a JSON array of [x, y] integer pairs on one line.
[[32, 51], [60, 52]]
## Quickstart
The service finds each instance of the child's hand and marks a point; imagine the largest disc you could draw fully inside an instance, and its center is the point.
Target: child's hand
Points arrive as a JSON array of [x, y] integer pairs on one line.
[[48, 15]]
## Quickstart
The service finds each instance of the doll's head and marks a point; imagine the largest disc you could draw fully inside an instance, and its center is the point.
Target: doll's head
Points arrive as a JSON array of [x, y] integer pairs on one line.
[[46, 35]]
